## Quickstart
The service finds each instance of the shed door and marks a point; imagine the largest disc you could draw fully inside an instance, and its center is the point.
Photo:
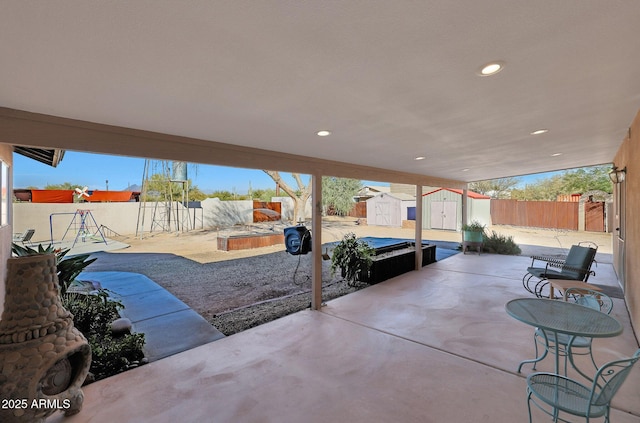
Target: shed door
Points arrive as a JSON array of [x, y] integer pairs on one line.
[[444, 215], [382, 214]]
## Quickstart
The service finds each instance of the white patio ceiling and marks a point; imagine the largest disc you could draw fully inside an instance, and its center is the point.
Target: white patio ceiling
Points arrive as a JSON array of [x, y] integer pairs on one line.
[[392, 80]]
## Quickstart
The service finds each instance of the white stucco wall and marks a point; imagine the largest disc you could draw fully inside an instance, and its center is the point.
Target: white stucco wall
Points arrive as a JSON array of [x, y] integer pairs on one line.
[[479, 209], [222, 214], [287, 208], [53, 219]]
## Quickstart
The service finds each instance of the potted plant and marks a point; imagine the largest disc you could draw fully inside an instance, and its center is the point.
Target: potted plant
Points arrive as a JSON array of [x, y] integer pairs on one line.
[[353, 257], [472, 232], [472, 236]]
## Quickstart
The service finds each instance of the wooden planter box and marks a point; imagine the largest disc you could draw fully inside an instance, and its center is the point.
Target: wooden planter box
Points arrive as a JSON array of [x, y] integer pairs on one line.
[[245, 242]]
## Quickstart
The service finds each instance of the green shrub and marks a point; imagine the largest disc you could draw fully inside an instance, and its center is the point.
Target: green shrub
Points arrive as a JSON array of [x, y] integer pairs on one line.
[[92, 315], [500, 244], [353, 257], [474, 226]]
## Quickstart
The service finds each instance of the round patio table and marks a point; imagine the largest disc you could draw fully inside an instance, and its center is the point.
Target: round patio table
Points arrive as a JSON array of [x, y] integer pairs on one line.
[[563, 317]]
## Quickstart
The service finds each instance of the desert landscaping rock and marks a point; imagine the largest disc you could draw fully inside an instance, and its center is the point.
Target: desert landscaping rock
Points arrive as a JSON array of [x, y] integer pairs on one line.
[[121, 326]]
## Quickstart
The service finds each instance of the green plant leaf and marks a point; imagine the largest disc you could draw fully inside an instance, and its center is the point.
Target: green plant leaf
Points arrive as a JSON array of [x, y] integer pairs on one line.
[[353, 257]]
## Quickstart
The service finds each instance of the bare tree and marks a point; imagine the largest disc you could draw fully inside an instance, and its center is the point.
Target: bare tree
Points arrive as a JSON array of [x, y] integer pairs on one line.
[[300, 195]]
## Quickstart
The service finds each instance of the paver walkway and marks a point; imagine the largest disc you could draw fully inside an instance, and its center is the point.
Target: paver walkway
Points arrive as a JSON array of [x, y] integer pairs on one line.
[[169, 325]]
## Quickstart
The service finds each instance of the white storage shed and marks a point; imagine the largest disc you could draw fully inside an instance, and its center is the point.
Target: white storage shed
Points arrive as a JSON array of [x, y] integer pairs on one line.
[[442, 209], [387, 209]]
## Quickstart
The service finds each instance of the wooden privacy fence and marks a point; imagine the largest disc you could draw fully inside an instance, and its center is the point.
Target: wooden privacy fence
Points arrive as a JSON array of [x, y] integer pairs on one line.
[[537, 214], [358, 210]]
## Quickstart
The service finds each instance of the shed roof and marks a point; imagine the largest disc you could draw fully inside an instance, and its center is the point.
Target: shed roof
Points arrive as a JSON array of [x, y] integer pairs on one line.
[[397, 195], [471, 194], [404, 196]]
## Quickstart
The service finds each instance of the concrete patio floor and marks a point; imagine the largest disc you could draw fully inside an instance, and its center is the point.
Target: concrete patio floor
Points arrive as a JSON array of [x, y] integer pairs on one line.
[[434, 345]]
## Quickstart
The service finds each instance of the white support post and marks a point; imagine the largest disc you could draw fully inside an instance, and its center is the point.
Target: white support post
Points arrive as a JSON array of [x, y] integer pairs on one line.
[[418, 232], [465, 202], [316, 242], [465, 217]]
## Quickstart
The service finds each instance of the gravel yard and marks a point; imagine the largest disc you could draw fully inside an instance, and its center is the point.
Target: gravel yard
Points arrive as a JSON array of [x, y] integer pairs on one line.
[[236, 290]]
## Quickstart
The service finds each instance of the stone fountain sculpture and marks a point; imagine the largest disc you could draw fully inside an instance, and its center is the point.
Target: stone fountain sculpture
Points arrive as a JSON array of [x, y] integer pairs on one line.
[[44, 359]]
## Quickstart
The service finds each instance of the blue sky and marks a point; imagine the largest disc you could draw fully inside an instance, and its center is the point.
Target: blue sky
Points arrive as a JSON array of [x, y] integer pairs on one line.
[[532, 179], [93, 170]]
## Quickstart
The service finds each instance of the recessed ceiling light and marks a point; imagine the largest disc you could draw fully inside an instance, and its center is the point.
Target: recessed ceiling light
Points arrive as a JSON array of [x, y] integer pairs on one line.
[[556, 154], [540, 131], [491, 68], [466, 169], [323, 133], [420, 158]]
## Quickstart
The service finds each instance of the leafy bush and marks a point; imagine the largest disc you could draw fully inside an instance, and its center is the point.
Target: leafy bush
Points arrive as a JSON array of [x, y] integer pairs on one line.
[[353, 257], [110, 356], [474, 226], [500, 244], [93, 315]]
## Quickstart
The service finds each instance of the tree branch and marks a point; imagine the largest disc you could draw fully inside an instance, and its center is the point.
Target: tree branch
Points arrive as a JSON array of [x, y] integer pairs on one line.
[[275, 175]]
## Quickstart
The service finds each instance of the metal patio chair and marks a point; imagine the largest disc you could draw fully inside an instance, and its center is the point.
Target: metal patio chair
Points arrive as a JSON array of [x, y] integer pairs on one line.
[[555, 394], [566, 346], [575, 266], [25, 237]]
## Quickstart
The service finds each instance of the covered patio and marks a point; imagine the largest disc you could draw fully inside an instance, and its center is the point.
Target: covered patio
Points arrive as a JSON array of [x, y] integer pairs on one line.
[[433, 345], [402, 92]]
